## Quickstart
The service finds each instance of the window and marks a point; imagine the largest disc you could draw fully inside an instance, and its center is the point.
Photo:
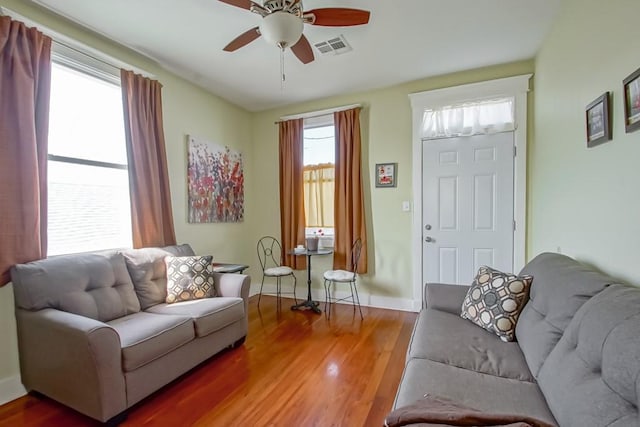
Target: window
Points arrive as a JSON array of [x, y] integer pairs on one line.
[[472, 118], [88, 182], [319, 177]]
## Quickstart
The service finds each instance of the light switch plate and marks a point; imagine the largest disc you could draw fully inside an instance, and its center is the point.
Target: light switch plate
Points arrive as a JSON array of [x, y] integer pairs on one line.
[[406, 206]]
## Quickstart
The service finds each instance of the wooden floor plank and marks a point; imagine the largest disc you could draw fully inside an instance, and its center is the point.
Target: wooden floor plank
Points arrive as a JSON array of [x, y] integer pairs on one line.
[[295, 368]]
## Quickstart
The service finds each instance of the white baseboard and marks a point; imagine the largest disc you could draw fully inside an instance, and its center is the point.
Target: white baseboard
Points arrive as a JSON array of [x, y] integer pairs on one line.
[[366, 300], [11, 388]]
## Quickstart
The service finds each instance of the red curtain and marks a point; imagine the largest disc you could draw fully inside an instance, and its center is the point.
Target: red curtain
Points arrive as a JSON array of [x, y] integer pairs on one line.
[[25, 86], [349, 195], [292, 221], [151, 215]]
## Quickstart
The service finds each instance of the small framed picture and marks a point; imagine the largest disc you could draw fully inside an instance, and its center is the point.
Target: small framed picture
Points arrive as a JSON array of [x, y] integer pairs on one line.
[[632, 102], [386, 174], [598, 121]]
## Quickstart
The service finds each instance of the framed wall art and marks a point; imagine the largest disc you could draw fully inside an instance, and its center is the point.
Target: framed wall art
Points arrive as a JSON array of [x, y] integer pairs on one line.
[[631, 89], [598, 121], [215, 182], [386, 174]]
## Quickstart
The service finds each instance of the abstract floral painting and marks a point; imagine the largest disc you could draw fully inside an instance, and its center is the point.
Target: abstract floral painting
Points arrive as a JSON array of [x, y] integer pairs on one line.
[[215, 183]]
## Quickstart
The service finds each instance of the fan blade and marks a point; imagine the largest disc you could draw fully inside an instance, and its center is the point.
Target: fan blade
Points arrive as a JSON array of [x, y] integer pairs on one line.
[[243, 4], [242, 40], [303, 50], [338, 17]]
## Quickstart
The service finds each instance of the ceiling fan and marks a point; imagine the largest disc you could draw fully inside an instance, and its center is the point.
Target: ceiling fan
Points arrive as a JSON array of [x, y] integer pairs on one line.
[[283, 22]]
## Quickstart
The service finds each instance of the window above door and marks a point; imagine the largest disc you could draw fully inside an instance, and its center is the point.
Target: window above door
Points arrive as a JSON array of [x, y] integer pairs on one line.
[[469, 118]]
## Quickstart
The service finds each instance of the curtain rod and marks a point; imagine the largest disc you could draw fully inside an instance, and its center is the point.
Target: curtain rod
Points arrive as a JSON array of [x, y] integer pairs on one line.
[[319, 113], [75, 45]]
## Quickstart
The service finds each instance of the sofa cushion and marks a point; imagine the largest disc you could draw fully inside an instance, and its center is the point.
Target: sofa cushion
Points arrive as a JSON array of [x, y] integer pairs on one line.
[[209, 314], [189, 278], [145, 337], [445, 297], [481, 391], [149, 273], [91, 285], [278, 271], [494, 301], [447, 338], [560, 286], [592, 376]]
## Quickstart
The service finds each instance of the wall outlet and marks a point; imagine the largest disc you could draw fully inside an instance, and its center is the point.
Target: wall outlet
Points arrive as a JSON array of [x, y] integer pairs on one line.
[[406, 206]]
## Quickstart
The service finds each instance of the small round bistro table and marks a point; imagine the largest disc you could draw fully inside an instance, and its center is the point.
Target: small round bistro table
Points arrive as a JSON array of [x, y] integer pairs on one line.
[[309, 303]]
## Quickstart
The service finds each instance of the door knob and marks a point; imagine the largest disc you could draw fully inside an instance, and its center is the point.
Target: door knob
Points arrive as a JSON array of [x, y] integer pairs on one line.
[[428, 239]]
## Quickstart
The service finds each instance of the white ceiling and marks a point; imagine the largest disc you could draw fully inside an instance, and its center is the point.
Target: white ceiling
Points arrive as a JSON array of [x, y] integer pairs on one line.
[[405, 40]]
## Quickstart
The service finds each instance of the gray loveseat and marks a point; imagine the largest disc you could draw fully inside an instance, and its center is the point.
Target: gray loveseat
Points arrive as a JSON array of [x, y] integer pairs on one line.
[[576, 361], [95, 334]]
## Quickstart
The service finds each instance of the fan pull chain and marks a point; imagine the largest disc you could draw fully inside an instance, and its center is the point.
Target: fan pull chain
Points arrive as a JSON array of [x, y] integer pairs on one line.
[[282, 69]]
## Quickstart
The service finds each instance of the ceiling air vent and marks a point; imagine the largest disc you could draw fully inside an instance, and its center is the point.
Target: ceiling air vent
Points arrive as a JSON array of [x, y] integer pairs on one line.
[[334, 46]]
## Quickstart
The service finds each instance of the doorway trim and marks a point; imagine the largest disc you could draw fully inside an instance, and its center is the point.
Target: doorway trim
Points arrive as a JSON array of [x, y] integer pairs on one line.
[[516, 87]]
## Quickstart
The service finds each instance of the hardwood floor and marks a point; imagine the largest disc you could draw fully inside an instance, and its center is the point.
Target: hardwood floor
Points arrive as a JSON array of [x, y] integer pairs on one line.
[[295, 369]]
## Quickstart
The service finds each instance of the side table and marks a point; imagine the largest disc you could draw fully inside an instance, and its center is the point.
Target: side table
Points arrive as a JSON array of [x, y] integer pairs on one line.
[[309, 303], [223, 267]]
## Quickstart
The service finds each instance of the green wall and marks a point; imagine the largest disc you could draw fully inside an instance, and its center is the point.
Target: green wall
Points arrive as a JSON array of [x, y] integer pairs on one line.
[[585, 201], [187, 110], [386, 128], [387, 137]]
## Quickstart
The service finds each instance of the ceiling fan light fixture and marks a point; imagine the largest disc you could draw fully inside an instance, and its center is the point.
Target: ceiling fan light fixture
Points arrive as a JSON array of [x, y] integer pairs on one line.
[[281, 29]]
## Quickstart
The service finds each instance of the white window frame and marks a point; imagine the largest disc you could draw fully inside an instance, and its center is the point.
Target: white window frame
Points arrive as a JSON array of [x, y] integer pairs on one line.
[[324, 120], [74, 60]]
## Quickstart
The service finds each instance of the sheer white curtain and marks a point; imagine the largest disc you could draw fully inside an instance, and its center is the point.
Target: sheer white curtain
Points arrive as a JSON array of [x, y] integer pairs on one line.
[[319, 189], [473, 118]]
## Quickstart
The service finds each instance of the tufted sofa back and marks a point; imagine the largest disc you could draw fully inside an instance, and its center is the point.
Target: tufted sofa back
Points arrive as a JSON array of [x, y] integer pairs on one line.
[[149, 272], [91, 285], [560, 286], [592, 376]]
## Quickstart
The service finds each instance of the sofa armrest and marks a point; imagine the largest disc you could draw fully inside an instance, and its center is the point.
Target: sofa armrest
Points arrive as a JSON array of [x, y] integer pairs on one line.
[[233, 285], [444, 297], [72, 359]]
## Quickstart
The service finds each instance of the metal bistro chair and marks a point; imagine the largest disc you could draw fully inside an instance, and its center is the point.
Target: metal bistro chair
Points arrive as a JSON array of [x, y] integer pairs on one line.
[[344, 276], [270, 256]]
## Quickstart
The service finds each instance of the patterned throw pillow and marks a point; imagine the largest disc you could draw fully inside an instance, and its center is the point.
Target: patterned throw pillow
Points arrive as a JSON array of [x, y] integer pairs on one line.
[[495, 300], [189, 278]]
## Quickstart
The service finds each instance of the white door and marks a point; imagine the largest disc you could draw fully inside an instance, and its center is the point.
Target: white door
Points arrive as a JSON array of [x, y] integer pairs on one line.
[[467, 206]]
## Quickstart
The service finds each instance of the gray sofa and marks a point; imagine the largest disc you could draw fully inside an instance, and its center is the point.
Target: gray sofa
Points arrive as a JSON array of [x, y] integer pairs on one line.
[[576, 361], [95, 334]]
